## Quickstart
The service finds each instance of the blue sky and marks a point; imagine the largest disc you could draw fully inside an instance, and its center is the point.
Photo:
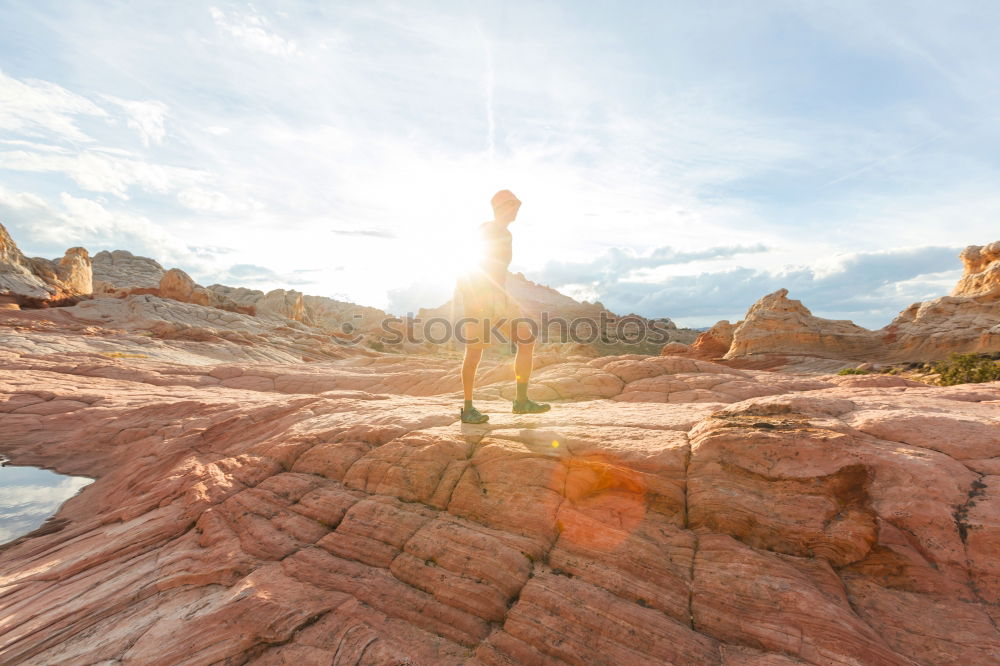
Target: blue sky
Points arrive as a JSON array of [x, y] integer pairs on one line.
[[674, 159]]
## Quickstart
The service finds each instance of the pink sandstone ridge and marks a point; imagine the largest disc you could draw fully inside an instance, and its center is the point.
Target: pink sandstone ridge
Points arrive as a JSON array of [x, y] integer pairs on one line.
[[253, 506]]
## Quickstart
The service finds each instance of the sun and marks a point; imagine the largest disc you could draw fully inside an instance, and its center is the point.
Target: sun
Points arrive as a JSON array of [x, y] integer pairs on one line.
[[447, 255]]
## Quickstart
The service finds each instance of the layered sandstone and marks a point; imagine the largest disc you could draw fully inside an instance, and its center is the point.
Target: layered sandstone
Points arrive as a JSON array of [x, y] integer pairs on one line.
[[668, 510], [120, 272], [777, 323], [178, 285], [966, 321], [286, 303], [981, 278], [38, 281], [713, 343]]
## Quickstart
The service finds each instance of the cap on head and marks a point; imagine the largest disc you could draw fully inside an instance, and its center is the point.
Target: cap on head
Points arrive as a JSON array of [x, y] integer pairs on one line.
[[502, 197]]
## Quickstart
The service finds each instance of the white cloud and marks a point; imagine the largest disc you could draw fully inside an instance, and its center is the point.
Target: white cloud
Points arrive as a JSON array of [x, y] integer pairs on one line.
[[144, 116], [868, 287], [44, 229], [208, 201], [42, 109], [254, 32], [102, 170], [709, 134]]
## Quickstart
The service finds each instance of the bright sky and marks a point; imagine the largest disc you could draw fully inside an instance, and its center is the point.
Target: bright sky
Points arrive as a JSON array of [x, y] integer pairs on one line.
[[673, 158]]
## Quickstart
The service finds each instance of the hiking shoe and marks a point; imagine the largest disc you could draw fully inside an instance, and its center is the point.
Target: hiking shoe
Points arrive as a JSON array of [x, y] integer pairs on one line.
[[472, 415], [528, 406]]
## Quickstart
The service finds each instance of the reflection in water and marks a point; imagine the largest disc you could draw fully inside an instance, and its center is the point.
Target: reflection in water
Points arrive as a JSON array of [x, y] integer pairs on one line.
[[29, 495]]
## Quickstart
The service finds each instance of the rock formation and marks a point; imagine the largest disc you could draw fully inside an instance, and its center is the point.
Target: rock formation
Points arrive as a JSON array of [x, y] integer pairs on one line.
[[40, 282], [543, 303], [778, 323], [120, 273], [342, 315], [178, 285], [982, 272], [713, 343], [267, 493], [966, 321], [667, 511]]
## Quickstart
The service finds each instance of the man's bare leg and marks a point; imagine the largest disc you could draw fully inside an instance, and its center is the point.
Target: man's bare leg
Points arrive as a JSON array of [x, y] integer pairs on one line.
[[470, 414], [522, 367], [469, 366], [522, 373]]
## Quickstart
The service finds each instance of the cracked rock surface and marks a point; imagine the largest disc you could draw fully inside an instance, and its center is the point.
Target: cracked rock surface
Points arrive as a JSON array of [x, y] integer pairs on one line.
[[666, 511]]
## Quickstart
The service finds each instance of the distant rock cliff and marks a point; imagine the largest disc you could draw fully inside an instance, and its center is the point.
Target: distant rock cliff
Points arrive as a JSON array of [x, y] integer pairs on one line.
[[966, 321]]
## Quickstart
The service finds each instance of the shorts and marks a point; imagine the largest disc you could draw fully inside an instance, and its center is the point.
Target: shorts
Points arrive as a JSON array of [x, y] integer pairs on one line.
[[488, 317]]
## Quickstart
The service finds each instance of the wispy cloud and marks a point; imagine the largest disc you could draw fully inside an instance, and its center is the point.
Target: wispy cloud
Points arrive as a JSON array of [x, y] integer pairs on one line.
[[806, 130], [35, 108], [374, 233], [101, 170], [620, 263], [254, 31], [146, 117], [869, 287]]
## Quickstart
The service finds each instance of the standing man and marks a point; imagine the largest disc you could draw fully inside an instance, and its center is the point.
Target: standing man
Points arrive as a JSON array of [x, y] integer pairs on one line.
[[487, 302]]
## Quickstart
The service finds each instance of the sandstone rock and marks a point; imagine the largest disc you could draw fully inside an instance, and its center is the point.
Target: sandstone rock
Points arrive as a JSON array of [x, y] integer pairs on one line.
[[285, 303], [982, 272], [179, 286], [264, 494], [75, 271], [239, 295], [17, 274], [777, 323], [38, 281], [964, 322], [934, 329], [715, 342], [261, 511], [343, 316], [120, 272], [290, 304]]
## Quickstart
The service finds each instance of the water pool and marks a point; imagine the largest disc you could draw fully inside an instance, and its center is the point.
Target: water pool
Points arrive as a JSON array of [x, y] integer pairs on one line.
[[29, 495]]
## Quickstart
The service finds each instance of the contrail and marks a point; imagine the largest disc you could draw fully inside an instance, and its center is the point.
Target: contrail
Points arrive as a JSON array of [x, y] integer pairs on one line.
[[488, 85], [876, 163]]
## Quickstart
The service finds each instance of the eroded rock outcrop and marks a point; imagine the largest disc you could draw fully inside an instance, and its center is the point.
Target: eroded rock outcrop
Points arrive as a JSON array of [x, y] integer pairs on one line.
[[982, 272], [119, 272], [777, 323], [37, 281], [966, 321], [715, 342], [178, 285], [669, 510]]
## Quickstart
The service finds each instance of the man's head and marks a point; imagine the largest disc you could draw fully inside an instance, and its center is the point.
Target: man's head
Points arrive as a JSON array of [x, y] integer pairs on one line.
[[505, 206]]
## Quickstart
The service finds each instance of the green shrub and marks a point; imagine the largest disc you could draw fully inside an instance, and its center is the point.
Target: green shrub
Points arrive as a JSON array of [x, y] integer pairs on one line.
[[967, 369], [852, 371]]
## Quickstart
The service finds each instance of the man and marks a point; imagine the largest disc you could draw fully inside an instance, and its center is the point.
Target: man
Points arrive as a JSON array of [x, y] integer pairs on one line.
[[487, 302]]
